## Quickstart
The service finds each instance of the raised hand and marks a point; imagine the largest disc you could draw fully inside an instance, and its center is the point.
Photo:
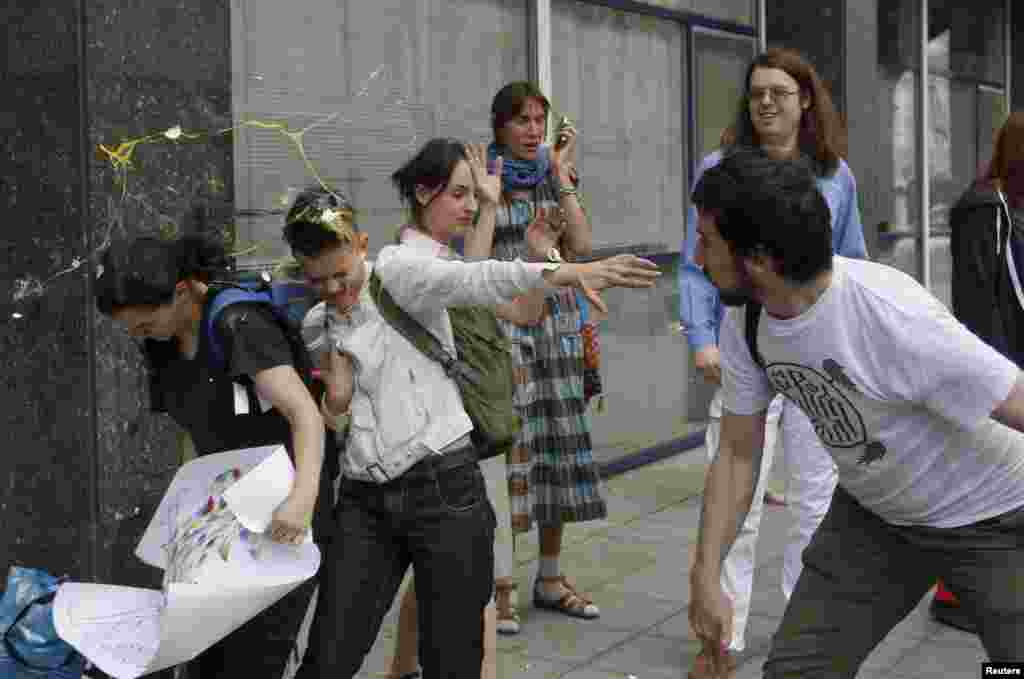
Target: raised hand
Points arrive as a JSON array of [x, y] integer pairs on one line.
[[563, 154], [488, 184], [543, 233]]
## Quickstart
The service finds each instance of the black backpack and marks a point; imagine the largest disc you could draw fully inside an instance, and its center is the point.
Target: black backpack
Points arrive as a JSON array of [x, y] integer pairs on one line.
[[289, 303]]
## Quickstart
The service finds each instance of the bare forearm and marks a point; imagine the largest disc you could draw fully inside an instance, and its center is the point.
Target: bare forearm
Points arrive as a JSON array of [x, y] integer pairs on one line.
[[480, 239], [308, 444], [728, 493], [578, 235]]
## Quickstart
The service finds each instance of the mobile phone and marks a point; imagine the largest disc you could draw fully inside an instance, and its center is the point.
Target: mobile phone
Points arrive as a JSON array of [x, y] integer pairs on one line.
[[562, 139]]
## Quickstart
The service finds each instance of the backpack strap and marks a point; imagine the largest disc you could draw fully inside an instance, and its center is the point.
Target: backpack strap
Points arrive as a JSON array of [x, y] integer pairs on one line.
[[409, 328], [225, 298], [293, 301], [753, 312], [287, 302]]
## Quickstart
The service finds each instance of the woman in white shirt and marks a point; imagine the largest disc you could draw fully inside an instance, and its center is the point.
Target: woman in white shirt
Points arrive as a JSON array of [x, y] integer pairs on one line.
[[411, 491]]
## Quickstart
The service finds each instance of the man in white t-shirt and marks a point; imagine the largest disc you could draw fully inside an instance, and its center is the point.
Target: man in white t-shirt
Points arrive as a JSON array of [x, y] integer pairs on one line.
[[922, 418]]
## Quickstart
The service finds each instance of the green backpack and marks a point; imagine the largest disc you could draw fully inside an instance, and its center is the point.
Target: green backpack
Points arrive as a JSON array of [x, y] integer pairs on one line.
[[482, 370]]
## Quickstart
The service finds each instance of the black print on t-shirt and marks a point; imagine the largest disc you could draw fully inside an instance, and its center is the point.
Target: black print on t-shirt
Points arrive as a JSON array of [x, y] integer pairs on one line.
[[834, 417], [838, 375], [872, 452]]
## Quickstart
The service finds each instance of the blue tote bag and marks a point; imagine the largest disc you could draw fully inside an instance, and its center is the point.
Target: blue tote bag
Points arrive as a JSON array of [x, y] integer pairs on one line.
[[31, 647]]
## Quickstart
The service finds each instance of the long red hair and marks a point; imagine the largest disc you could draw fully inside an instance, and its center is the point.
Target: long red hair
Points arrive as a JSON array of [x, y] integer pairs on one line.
[[822, 135]]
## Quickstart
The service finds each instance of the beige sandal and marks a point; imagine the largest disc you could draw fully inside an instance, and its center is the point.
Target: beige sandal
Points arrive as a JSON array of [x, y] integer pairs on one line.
[[504, 603], [572, 603]]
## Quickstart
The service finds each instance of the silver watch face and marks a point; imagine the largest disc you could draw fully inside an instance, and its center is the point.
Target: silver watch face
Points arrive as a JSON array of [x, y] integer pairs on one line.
[[554, 255]]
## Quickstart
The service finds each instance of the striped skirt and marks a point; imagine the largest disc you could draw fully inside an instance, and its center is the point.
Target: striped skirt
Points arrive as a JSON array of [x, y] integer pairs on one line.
[[551, 469]]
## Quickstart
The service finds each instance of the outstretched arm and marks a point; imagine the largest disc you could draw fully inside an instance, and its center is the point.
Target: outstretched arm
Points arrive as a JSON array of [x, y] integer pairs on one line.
[[729, 490], [728, 493], [420, 282]]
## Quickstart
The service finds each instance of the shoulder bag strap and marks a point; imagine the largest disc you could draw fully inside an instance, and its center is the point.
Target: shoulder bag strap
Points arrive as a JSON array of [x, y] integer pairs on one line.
[[407, 326], [753, 312]]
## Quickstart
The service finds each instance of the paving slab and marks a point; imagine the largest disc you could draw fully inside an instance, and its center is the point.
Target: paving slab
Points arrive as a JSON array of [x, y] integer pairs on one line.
[[648, 656], [930, 659], [563, 640], [635, 564]]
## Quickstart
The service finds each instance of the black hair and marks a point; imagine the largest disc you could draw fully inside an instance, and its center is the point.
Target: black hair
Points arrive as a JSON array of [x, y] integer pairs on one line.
[[143, 272], [306, 229], [432, 167], [762, 205], [509, 102]]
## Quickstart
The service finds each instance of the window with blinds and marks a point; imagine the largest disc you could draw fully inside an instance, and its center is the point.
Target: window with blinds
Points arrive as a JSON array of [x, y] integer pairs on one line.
[[346, 91], [620, 76]]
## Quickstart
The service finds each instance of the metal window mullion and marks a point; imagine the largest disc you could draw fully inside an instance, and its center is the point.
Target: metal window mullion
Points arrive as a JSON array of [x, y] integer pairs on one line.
[[923, 156], [690, 74], [1008, 54], [542, 45], [762, 25]]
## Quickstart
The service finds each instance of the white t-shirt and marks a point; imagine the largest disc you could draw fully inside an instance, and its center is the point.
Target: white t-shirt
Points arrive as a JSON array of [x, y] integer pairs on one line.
[[897, 389]]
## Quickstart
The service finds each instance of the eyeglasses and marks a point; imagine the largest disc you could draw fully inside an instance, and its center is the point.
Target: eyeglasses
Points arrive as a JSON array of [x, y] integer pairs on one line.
[[756, 94]]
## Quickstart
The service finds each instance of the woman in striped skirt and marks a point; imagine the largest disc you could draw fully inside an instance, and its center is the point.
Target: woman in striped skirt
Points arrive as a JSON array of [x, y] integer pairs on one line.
[[553, 479]]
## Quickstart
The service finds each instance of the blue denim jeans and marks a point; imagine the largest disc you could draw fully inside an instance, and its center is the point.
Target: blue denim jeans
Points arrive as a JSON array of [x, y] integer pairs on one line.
[[441, 523], [862, 576]]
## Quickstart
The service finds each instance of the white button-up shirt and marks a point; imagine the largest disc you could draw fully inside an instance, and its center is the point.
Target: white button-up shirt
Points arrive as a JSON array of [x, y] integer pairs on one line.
[[404, 407]]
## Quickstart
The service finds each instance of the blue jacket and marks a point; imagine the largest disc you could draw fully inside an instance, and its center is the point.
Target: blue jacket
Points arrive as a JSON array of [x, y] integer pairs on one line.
[[700, 308]]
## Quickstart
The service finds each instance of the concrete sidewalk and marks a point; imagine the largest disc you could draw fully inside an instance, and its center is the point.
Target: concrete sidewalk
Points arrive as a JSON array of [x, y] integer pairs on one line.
[[635, 566]]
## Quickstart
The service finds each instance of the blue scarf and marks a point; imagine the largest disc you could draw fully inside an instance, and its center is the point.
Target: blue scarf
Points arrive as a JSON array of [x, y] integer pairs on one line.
[[522, 174]]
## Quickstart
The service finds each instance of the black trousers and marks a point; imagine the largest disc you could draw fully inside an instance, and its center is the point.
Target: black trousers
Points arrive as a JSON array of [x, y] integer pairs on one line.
[[862, 576], [262, 647], [436, 519]]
